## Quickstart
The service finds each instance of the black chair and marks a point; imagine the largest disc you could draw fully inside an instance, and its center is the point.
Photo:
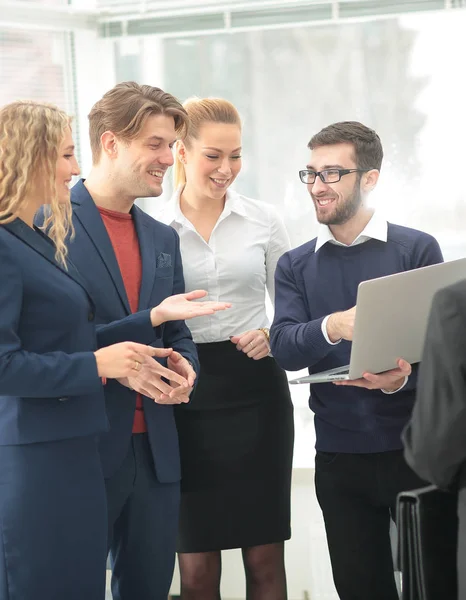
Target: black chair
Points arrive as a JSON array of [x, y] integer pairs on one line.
[[427, 544]]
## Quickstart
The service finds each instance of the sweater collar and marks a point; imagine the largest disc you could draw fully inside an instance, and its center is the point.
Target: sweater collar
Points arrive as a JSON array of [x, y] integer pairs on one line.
[[376, 229]]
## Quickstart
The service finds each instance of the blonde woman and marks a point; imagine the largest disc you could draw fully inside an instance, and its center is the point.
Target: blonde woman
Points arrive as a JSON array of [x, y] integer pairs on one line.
[[236, 436], [53, 523]]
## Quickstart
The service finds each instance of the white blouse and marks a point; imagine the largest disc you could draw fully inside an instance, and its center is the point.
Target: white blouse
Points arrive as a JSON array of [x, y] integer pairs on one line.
[[237, 265]]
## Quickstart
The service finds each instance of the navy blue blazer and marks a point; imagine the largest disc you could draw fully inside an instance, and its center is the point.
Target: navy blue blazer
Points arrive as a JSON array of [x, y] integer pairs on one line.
[[49, 386], [92, 253]]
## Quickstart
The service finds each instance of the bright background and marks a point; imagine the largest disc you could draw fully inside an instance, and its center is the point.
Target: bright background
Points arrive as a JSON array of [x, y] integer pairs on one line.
[[291, 67]]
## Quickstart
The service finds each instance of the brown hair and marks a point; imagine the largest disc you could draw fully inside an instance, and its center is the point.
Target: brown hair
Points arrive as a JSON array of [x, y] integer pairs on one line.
[[201, 111], [124, 110], [368, 151], [30, 137]]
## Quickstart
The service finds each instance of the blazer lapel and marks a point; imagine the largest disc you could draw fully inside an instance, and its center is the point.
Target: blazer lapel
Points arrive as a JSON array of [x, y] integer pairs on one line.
[[41, 243], [88, 214], [148, 254]]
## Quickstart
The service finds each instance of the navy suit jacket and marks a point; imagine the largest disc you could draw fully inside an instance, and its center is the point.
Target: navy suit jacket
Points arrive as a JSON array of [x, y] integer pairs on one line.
[[92, 253], [49, 386]]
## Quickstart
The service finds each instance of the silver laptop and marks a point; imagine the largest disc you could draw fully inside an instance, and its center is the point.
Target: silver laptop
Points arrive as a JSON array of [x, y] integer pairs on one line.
[[391, 320]]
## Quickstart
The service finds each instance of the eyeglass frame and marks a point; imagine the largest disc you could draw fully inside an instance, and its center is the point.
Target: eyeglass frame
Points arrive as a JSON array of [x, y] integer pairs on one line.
[[341, 173]]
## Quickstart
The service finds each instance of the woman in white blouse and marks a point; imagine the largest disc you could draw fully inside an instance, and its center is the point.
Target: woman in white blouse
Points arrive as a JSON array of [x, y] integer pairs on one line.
[[236, 435]]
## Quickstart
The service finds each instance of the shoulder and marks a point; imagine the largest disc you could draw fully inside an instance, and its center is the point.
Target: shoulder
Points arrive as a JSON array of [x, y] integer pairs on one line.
[[254, 208], [417, 248], [8, 240], [157, 227], [12, 251], [79, 194], [166, 210], [301, 255], [452, 295], [408, 237]]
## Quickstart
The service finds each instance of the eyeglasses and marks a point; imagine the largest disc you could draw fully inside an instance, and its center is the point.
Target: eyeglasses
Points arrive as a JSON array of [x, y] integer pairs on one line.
[[328, 176]]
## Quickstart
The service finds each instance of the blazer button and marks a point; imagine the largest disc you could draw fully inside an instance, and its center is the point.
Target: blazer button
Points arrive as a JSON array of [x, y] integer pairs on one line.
[[63, 399], [90, 316]]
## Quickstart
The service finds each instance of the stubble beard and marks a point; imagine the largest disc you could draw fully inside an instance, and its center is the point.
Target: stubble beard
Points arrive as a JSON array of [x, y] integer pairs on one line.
[[343, 212]]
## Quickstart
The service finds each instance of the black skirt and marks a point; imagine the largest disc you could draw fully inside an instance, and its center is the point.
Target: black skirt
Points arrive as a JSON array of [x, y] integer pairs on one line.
[[236, 445]]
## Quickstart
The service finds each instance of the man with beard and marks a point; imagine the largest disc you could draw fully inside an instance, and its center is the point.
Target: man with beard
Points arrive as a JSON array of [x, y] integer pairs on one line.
[[359, 467]]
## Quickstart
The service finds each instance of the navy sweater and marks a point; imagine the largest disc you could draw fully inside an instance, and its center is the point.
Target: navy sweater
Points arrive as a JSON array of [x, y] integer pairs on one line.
[[309, 286]]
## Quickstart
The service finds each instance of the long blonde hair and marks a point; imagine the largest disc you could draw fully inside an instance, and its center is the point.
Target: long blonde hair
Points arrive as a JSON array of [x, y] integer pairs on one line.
[[30, 137], [201, 111]]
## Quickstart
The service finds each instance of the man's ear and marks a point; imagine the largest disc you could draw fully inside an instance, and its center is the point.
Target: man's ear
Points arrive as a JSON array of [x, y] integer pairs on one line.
[[369, 180], [109, 143]]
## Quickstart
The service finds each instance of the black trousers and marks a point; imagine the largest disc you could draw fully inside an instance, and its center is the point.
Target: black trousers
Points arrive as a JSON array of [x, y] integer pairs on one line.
[[357, 495]]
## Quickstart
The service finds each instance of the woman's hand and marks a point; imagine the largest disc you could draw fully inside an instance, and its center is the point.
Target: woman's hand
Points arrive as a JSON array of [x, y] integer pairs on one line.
[[148, 380], [253, 343], [126, 359]]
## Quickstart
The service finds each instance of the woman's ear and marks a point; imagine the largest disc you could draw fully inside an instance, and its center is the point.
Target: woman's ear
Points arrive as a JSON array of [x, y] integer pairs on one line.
[[181, 151]]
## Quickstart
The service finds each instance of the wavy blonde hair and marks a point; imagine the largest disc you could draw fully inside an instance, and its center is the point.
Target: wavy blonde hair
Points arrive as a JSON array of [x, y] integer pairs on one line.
[[30, 137], [201, 111]]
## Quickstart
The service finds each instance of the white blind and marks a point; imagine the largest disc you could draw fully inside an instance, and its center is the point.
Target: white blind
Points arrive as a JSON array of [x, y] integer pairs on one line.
[[33, 65], [37, 65]]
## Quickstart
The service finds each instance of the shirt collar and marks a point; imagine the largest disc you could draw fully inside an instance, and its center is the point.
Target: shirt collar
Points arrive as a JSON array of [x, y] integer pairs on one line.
[[172, 213], [376, 229]]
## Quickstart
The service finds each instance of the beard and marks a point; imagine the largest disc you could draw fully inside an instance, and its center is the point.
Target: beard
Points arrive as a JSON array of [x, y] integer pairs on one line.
[[343, 212]]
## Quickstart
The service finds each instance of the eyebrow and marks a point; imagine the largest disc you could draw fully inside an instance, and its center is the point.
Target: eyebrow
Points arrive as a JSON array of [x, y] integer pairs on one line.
[[218, 149], [69, 149], [310, 167], [157, 138]]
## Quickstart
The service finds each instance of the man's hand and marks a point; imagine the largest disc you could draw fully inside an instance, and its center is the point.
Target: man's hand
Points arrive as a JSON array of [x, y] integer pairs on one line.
[[148, 380], [389, 381], [178, 364], [253, 343], [340, 325], [182, 307]]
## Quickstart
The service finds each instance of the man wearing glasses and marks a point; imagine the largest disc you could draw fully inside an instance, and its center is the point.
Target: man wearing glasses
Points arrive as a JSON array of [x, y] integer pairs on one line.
[[359, 467]]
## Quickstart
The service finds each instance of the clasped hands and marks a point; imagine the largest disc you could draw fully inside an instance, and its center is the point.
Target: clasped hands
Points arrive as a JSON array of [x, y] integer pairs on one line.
[[148, 373], [148, 378]]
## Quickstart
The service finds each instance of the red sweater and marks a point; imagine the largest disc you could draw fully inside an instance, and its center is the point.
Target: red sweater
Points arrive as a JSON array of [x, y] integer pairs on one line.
[[122, 233]]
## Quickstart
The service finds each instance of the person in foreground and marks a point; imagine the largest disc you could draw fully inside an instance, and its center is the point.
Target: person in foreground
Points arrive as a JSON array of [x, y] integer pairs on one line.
[[435, 439], [132, 266], [359, 465], [52, 495], [236, 436]]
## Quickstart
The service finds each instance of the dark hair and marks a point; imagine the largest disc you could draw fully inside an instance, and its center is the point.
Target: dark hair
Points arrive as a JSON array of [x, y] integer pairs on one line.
[[124, 110], [368, 151]]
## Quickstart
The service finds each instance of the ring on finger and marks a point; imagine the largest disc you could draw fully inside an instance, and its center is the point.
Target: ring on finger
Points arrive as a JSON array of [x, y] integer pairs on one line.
[[137, 365]]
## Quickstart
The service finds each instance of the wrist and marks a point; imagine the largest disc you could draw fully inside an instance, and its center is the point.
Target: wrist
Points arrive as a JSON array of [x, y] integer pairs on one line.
[[396, 386], [333, 330], [99, 364], [155, 318], [266, 332]]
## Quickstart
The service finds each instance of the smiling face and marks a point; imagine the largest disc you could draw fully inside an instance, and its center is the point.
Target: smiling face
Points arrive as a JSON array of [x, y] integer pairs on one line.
[[67, 167], [335, 203], [140, 165], [212, 161]]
